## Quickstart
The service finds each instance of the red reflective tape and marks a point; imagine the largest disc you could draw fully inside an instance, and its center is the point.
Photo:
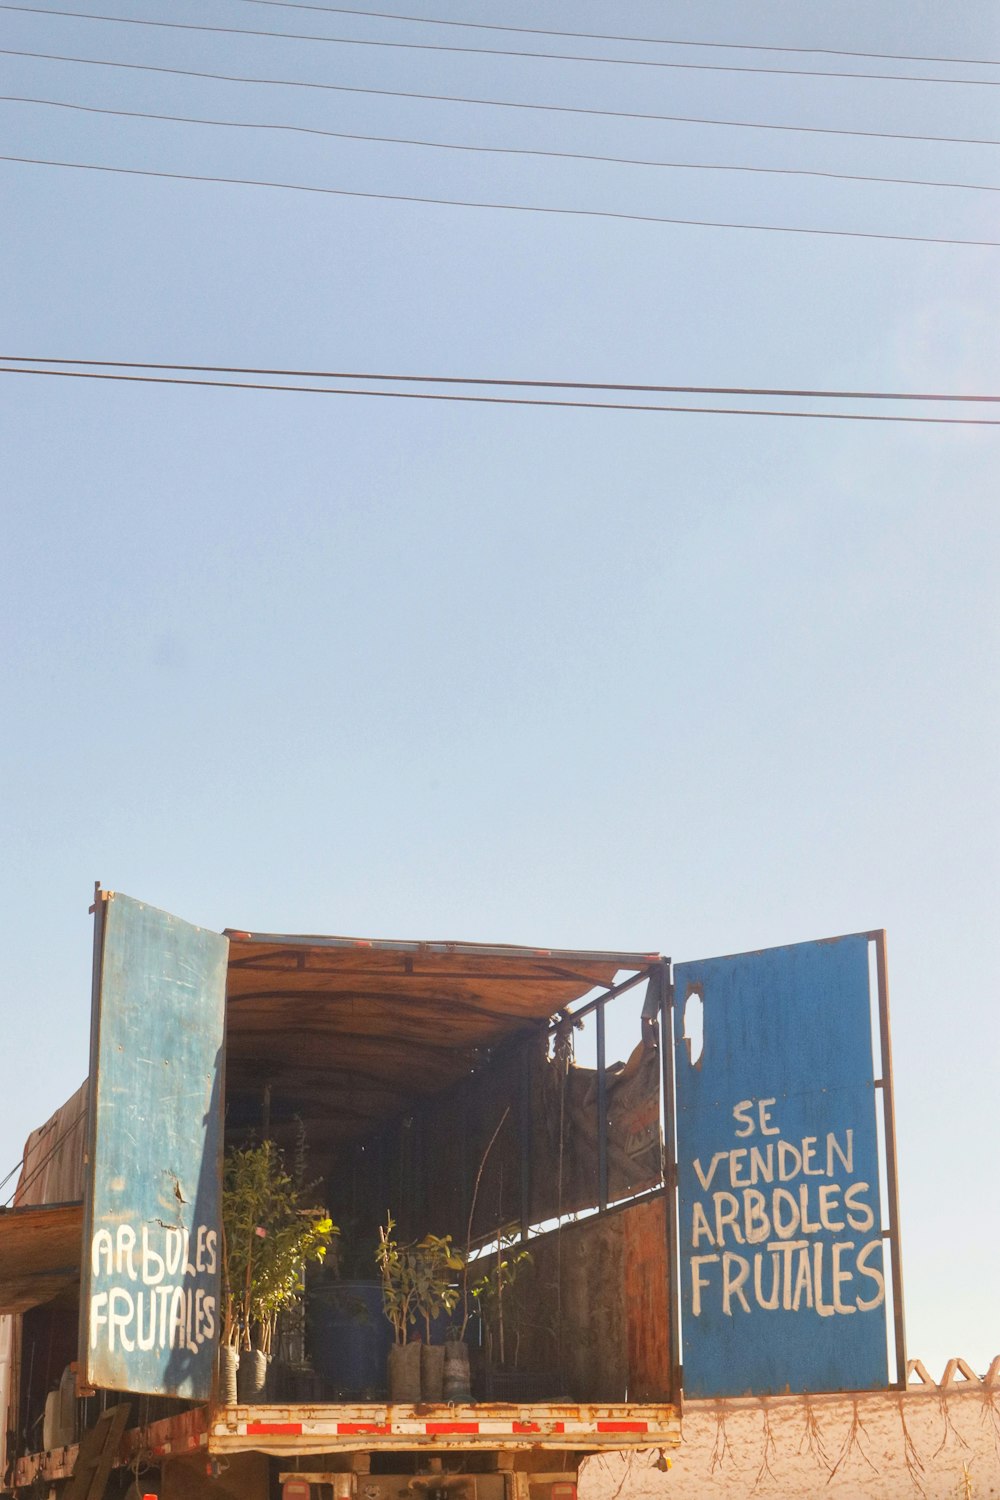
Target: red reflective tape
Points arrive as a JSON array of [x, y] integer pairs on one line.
[[525, 1427], [274, 1429], [558, 1427], [445, 1429], [352, 1429], [623, 1426]]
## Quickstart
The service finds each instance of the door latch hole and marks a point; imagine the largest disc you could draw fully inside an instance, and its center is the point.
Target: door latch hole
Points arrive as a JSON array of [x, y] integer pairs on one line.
[[694, 1028]]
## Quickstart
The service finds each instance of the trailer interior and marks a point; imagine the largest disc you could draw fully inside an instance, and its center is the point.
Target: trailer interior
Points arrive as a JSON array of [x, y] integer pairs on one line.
[[445, 1083]]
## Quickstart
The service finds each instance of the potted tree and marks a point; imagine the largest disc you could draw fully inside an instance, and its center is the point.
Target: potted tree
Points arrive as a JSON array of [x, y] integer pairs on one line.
[[500, 1295], [268, 1237], [418, 1282], [397, 1268], [436, 1265]]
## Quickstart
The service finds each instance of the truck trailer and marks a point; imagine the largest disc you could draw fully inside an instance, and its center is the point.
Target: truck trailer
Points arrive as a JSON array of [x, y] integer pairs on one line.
[[536, 1109]]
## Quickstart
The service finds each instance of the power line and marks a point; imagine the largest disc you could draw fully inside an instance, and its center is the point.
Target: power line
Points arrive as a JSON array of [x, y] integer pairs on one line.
[[830, 416], [626, 62], [604, 36], [23, 1186], [16, 1167], [563, 109], [523, 208], [395, 140], [496, 380]]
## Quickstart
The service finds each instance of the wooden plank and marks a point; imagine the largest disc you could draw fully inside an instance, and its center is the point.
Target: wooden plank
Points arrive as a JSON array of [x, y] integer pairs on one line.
[[97, 1453], [646, 1304]]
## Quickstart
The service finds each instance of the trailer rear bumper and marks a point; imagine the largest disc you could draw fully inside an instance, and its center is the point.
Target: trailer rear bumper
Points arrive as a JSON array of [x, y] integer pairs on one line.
[[327, 1429]]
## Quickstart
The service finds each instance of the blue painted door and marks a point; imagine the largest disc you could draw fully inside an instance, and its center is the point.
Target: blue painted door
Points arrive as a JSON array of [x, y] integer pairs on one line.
[[781, 1251], [149, 1313]]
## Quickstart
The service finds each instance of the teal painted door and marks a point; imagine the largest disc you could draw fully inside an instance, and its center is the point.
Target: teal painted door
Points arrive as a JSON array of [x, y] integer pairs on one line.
[[149, 1311]]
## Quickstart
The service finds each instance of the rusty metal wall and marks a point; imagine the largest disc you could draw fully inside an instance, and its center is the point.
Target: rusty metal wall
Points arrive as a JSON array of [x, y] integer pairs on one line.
[[565, 1165], [647, 1301], [594, 1306], [543, 1161]]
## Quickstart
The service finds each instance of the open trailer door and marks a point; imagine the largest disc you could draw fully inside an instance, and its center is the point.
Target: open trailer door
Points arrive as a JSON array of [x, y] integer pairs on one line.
[[149, 1305], [785, 1216]]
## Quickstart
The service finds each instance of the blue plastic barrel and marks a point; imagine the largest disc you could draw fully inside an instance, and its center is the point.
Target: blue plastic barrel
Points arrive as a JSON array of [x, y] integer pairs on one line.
[[348, 1337]]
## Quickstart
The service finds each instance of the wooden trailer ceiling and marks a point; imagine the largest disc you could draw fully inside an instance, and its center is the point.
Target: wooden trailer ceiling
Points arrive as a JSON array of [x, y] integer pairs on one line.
[[355, 1031], [39, 1254]]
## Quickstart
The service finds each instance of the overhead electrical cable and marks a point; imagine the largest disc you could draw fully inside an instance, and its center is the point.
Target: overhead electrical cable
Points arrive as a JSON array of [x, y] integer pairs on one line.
[[498, 380], [731, 411], [22, 1187], [395, 140], [606, 36], [15, 1168], [562, 109], [619, 62], [523, 208]]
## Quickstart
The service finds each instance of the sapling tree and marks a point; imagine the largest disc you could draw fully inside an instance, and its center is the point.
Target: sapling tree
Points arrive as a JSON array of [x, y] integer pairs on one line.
[[418, 1278], [268, 1236], [396, 1267], [493, 1292], [436, 1265]]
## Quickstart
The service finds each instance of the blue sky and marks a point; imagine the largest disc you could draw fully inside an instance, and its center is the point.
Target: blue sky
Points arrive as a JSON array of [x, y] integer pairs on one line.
[[410, 669]]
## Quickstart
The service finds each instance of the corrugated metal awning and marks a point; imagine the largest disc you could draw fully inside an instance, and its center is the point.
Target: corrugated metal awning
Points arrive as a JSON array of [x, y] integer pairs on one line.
[[356, 1029], [39, 1254]]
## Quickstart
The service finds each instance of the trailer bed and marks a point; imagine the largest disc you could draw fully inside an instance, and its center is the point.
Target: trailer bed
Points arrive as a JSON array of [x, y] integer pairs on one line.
[[291, 1430]]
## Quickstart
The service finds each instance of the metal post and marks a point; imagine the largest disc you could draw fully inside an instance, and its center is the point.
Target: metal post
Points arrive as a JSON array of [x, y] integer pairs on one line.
[[463, 1154], [524, 1116], [99, 909], [602, 1114], [892, 1184], [670, 1173], [610, 994]]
